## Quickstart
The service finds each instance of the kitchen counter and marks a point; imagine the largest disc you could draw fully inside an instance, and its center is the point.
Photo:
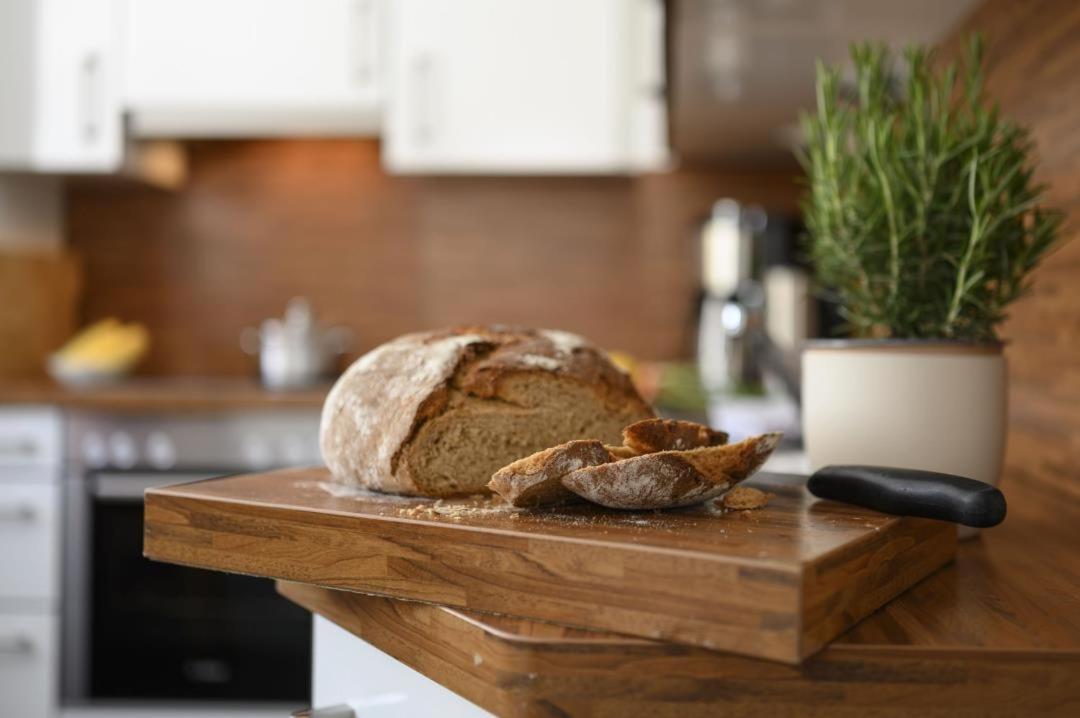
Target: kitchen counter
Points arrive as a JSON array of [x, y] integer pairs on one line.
[[153, 394]]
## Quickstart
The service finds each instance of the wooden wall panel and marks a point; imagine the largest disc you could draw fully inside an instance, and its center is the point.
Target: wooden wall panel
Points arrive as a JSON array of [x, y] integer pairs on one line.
[[1033, 70], [261, 221]]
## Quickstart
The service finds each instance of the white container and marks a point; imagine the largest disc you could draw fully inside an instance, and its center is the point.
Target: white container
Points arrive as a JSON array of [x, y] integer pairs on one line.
[[939, 406]]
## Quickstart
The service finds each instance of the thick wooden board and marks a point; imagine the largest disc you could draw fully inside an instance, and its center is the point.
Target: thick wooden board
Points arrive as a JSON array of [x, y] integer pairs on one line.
[[997, 633], [777, 583]]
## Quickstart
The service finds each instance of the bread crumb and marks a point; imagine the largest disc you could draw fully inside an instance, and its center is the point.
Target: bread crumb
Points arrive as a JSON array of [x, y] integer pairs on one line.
[[745, 498], [456, 509]]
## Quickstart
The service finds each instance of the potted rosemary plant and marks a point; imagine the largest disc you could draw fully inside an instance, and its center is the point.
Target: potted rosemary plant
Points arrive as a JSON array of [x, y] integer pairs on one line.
[[924, 223]]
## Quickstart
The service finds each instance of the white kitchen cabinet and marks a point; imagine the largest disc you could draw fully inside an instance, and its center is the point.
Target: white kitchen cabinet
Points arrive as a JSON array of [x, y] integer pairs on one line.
[[349, 672], [253, 67], [28, 665], [29, 535], [30, 507], [517, 86], [59, 85]]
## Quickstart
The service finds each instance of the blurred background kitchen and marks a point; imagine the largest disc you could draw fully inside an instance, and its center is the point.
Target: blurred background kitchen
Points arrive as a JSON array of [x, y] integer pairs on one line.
[[232, 198]]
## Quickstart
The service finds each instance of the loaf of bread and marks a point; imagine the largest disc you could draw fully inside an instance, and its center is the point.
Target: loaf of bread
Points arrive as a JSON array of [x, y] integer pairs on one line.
[[437, 413], [536, 480], [651, 435], [668, 479]]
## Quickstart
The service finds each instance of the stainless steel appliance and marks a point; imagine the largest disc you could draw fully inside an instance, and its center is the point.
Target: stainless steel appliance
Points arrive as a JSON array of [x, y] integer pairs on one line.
[[135, 630], [756, 312], [296, 351]]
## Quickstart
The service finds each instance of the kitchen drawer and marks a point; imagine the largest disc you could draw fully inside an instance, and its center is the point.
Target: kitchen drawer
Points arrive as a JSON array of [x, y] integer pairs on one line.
[[29, 540], [28, 665], [30, 436]]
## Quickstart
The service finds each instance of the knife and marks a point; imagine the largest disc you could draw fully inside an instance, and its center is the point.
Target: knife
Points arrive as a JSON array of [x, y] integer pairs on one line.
[[911, 492]]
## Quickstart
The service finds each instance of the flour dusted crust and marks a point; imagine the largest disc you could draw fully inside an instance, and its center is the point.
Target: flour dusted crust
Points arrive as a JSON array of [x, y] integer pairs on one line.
[[669, 479], [436, 413], [536, 479]]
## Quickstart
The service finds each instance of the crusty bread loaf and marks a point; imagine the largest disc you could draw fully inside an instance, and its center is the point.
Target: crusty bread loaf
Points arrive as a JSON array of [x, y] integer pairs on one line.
[[437, 413], [536, 480], [651, 435], [668, 479]]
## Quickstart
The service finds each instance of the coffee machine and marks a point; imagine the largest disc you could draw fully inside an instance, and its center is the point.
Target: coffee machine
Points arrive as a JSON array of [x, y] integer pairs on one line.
[[756, 311]]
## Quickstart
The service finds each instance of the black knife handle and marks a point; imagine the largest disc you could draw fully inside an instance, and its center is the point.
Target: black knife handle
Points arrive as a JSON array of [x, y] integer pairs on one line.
[[910, 492]]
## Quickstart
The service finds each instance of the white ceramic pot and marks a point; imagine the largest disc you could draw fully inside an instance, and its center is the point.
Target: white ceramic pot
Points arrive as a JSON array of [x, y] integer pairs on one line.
[[939, 406]]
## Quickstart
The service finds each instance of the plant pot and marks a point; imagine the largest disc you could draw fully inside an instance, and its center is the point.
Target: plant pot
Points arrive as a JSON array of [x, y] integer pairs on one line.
[[934, 405]]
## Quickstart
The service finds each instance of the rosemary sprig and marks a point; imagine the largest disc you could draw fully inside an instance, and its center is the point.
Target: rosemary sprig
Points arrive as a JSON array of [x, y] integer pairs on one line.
[[922, 213]]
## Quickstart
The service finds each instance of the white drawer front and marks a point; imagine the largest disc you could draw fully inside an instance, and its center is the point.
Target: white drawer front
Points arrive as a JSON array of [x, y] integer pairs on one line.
[[28, 666], [29, 540], [30, 436]]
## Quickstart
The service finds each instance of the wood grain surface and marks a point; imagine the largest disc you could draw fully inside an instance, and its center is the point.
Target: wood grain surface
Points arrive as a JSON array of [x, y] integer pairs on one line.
[[778, 583], [514, 667], [1033, 71], [996, 633]]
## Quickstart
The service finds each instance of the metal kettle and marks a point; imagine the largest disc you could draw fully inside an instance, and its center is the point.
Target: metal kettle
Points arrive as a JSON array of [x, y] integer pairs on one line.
[[295, 351]]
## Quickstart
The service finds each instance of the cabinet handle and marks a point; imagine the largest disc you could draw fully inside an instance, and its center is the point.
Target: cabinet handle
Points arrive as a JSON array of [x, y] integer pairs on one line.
[[90, 86], [18, 448], [362, 41], [18, 513], [341, 710], [16, 645], [423, 73]]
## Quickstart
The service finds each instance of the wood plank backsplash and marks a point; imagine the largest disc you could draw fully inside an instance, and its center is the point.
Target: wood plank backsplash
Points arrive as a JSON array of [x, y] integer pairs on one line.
[[262, 221], [1033, 70]]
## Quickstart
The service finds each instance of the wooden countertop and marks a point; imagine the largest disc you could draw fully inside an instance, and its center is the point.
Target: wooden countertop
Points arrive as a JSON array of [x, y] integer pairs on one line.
[[149, 394], [997, 633]]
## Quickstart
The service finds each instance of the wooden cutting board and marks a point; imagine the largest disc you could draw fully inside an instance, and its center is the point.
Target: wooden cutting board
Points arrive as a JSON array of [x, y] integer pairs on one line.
[[776, 583]]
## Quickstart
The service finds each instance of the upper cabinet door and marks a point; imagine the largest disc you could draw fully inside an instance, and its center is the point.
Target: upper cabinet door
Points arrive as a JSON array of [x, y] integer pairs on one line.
[[518, 86], [59, 85], [251, 67]]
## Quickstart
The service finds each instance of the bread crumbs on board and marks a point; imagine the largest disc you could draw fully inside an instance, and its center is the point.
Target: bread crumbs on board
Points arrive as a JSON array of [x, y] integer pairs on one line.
[[479, 505], [745, 498]]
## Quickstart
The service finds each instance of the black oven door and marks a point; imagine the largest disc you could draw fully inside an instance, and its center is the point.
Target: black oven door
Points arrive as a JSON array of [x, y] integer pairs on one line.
[[164, 632]]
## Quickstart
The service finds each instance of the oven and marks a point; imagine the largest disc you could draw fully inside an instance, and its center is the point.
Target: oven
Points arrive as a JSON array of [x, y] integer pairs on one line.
[[136, 630]]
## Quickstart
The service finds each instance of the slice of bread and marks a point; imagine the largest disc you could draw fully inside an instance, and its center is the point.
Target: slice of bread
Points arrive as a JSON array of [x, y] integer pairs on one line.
[[536, 480], [668, 479], [651, 435], [620, 452]]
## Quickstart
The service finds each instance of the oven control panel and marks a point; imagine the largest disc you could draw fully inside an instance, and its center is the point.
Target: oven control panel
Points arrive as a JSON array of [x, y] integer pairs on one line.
[[243, 441]]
